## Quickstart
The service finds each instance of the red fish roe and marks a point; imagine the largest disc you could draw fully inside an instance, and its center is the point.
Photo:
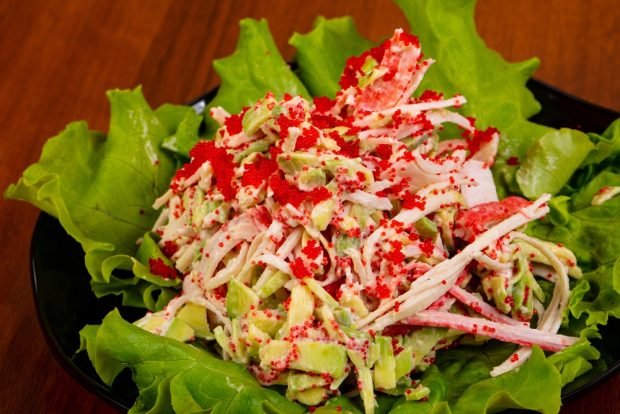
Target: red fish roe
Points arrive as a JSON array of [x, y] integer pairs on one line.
[[294, 118], [259, 171], [308, 138], [349, 149], [395, 255], [169, 248], [221, 163], [312, 249], [158, 267], [513, 161], [354, 64], [299, 269], [285, 193], [234, 124], [429, 96], [478, 138], [427, 247], [384, 151], [409, 39], [411, 201], [323, 104]]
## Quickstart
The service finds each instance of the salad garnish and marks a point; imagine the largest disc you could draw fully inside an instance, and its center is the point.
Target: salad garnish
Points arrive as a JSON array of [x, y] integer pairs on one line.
[[334, 246]]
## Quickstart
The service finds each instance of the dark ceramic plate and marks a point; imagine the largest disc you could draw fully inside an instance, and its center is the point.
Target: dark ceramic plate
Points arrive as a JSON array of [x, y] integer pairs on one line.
[[65, 302]]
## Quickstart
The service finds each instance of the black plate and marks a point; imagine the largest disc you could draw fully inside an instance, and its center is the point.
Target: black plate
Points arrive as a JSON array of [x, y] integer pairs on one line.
[[65, 302]]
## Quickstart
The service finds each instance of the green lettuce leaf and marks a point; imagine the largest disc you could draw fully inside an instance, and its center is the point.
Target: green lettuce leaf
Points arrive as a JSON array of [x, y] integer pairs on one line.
[[101, 189], [322, 53], [495, 89], [460, 377], [175, 377], [255, 68], [552, 160]]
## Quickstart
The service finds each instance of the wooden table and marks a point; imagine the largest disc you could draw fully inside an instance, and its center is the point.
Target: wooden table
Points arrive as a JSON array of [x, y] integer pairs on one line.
[[57, 58]]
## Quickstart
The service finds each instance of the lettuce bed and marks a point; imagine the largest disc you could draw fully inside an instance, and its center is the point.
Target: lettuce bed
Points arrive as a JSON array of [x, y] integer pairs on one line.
[[101, 188]]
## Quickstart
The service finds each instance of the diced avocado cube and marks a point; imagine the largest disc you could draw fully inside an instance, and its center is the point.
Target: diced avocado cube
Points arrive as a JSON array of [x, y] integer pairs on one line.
[[322, 213], [495, 285], [426, 228], [273, 352], [344, 242], [180, 331], [275, 282], [150, 322], [343, 316], [311, 178], [260, 145], [237, 340], [311, 396], [321, 293], [254, 118], [293, 162], [301, 306], [329, 322], [361, 215], [321, 358], [196, 317], [256, 339], [240, 299], [364, 377], [385, 367], [300, 382], [404, 362], [268, 321], [223, 341], [417, 393], [355, 303]]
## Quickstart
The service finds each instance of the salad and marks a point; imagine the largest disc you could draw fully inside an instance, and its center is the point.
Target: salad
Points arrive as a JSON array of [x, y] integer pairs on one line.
[[371, 234]]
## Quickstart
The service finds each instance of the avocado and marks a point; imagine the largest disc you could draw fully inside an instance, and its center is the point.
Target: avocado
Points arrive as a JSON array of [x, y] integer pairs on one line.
[[254, 118], [322, 213], [293, 162], [312, 396], [301, 306], [320, 357], [311, 178], [300, 382], [355, 303], [320, 293], [240, 299], [426, 228], [150, 322], [196, 317], [364, 378], [343, 242], [275, 282], [385, 367], [404, 362], [180, 331], [268, 321]]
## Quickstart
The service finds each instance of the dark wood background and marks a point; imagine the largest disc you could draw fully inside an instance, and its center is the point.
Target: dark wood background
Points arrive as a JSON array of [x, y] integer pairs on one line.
[[57, 58]]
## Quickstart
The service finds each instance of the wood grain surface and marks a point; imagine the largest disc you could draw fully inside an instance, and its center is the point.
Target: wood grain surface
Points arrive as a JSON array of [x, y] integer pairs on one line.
[[57, 58]]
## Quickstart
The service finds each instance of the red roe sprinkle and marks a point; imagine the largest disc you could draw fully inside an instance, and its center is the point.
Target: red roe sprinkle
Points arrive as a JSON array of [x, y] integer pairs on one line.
[[169, 248], [221, 162], [479, 138], [349, 149], [233, 124], [384, 151], [514, 358], [395, 255], [256, 173], [312, 250], [294, 118], [409, 39], [158, 267], [323, 104], [383, 292], [429, 96], [427, 248], [299, 269], [354, 64], [411, 201], [307, 139], [284, 193], [512, 161]]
